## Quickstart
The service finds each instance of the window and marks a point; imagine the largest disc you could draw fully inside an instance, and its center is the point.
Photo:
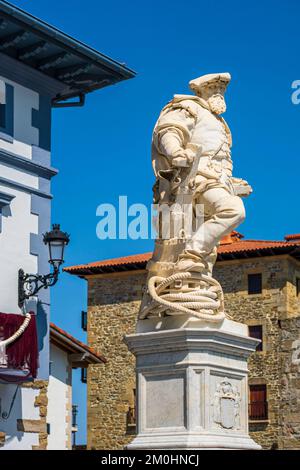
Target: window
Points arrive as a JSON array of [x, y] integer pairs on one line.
[[254, 283], [298, 286], [6, 108], [256, 331], [2, 116], [258, 405], [5, 200], [84, 320], [131, 415], [131, 418], [84, 375]]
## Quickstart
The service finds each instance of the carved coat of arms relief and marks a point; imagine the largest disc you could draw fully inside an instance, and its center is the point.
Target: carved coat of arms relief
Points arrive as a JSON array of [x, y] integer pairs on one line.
[[226, 405]]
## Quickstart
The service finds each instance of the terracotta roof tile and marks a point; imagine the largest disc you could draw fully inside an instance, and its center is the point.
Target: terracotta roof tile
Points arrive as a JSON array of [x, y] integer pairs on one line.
[[250, 245], [228, 249], [55, 329], [294, 236], [139, 259]]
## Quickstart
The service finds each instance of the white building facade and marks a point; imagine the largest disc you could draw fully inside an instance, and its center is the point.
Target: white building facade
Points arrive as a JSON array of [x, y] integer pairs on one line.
[[66, 353], [40, 67]]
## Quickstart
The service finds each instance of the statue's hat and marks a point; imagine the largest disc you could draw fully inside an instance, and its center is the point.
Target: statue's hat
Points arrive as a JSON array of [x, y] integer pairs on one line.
[[211, 79]]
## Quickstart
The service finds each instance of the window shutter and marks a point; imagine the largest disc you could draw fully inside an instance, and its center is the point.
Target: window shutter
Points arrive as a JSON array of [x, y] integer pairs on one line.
[[258, 409], [256, 331]]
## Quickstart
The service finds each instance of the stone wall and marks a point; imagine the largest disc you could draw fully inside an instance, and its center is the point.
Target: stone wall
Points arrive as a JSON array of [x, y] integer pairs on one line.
[[37, 425], [24, 423], [265, 309], [113, 305], [290, 384], [2, 438]]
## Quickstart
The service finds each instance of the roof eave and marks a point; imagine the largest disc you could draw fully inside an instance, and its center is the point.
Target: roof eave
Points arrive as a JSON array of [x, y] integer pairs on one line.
[[106, 269], [275, 251], [63, 38], [105, 71], [72, 347], [86, 271]]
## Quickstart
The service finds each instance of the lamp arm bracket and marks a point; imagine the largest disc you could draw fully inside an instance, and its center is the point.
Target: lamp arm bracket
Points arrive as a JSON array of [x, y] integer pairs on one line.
[[31, 284]]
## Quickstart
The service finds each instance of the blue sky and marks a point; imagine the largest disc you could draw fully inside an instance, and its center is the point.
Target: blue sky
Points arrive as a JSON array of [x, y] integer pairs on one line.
[[103, 149]]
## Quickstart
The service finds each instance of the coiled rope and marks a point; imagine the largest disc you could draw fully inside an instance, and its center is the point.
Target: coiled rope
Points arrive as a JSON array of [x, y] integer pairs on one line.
[[191, 302]]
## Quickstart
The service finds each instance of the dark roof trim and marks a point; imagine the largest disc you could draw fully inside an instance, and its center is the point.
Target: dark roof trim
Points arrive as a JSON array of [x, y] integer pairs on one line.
[[33, 42], [29, 77]]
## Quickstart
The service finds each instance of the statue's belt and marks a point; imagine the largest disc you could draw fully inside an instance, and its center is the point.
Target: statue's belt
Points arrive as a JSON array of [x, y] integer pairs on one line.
[[206, 172]]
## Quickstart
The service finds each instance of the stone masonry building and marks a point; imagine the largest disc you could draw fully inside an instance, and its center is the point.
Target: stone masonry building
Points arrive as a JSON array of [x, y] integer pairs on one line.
[[261, 282]]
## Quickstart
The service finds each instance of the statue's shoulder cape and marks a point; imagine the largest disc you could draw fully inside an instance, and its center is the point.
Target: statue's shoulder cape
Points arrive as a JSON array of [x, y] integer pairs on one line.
[[177, 99]]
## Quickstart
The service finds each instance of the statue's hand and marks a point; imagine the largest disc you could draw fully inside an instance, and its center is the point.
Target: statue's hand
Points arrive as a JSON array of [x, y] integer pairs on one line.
[[241, 187], [183, 158], [236, 180]]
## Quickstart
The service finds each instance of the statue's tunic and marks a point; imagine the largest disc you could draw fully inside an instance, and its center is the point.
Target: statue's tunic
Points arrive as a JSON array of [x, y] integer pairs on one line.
[[187, 121]]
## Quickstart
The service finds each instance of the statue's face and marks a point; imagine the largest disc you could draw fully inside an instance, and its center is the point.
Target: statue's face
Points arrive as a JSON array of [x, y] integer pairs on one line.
[[213, 94], [217, 103]]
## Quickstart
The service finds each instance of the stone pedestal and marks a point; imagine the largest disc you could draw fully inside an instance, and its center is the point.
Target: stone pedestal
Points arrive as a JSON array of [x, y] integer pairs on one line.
[[192, 390]]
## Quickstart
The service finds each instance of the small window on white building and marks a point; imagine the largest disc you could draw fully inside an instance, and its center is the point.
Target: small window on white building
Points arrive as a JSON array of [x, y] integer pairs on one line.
[[6, 108], [2, 104]]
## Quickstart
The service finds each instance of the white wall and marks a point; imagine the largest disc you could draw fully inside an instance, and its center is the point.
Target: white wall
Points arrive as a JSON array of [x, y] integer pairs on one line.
[[23, 408], [17, 220], [59, 400], [24, 134], [17, 224]]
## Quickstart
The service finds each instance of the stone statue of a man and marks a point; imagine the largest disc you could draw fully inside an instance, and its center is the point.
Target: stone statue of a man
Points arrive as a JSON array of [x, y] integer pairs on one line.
[[191, 154]]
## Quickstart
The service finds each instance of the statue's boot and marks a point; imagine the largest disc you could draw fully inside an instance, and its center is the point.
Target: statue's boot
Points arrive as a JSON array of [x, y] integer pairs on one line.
[[211, 260], [189, 261]]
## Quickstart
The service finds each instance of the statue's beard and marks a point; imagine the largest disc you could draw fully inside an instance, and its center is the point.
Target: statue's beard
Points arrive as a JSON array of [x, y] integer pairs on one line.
[[217, 104]]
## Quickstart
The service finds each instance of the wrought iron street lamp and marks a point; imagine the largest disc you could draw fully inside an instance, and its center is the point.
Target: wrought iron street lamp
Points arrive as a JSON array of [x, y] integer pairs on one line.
[[30, 284]]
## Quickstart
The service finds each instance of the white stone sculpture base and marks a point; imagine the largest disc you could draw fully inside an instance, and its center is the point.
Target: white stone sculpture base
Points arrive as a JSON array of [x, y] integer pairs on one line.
[[192, 390]]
